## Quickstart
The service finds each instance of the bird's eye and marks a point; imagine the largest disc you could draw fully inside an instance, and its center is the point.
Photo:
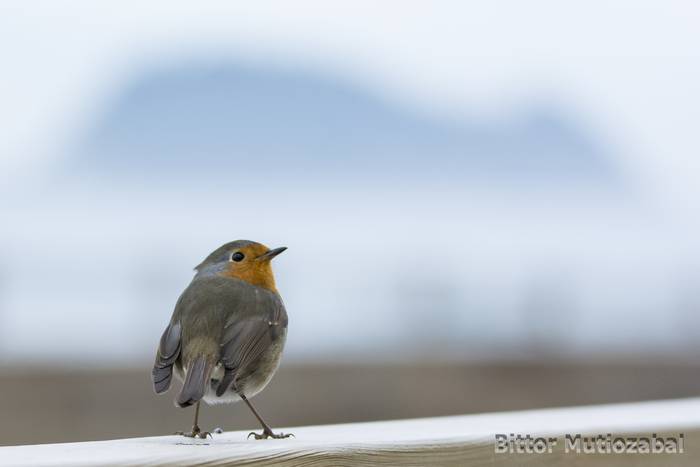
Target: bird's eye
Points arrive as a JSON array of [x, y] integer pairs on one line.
[[237, 257]]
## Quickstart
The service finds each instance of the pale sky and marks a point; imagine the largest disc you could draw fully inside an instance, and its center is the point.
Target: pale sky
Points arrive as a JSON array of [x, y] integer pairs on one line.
[[628, 71], [631, 69]]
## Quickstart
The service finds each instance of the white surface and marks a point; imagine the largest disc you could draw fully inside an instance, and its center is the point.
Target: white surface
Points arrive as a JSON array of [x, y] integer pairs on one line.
[[456, 440]]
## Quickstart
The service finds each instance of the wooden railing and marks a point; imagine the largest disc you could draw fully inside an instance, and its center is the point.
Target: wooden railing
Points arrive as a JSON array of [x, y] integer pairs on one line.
[[563, 436]]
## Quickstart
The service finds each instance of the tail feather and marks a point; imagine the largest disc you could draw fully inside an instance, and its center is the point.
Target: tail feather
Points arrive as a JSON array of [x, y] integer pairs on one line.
[[196, 382], [225, 382]]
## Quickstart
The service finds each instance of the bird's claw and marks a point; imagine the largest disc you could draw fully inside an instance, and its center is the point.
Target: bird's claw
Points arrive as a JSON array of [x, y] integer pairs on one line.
[[195, 433], [269, 434]]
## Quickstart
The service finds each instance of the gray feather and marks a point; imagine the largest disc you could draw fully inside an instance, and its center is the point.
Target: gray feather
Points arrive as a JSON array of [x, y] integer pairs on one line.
[[195, 383], [249, 334], [220, 320], [168, 351]]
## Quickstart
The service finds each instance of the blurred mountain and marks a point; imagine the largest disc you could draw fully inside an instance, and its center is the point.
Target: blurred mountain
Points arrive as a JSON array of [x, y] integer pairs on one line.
[[224, 120], [483, 268]]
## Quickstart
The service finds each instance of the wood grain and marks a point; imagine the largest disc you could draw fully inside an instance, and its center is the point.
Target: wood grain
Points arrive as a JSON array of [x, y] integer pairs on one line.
[[444, 441]]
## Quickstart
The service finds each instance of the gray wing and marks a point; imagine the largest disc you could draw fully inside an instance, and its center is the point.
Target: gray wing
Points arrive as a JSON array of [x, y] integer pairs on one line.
[[168, 351], [258, 322]]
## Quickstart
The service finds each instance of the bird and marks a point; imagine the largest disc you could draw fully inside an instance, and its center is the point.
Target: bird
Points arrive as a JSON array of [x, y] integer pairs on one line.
[[227, 332]]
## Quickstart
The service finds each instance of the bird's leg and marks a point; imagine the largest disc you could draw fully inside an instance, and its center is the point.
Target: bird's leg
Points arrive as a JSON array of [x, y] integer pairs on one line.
[[196, 431], [267, 431]]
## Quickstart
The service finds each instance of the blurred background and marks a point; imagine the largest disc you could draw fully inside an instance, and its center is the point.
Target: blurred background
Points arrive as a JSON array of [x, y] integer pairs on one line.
[[488, 206]]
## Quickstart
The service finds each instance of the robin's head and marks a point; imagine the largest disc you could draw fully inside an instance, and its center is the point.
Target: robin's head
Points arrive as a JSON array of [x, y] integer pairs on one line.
[[244, 260]]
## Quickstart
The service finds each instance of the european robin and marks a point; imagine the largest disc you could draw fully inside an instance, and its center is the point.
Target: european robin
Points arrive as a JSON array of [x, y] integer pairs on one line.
[[226, 335]]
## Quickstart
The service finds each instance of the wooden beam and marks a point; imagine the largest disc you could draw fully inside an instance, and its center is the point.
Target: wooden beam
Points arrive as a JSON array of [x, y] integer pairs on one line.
[[458, 440]]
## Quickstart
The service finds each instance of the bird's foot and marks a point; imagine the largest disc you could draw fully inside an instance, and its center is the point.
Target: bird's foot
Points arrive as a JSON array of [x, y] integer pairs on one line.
[[195, 433], [267, 433]]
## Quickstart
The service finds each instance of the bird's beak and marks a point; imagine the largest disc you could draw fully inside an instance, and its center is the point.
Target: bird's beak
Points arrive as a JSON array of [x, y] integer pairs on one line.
[[271, 254]]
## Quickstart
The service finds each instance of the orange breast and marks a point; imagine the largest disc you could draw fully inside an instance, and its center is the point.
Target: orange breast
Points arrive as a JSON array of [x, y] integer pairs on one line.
[[259, 274]]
